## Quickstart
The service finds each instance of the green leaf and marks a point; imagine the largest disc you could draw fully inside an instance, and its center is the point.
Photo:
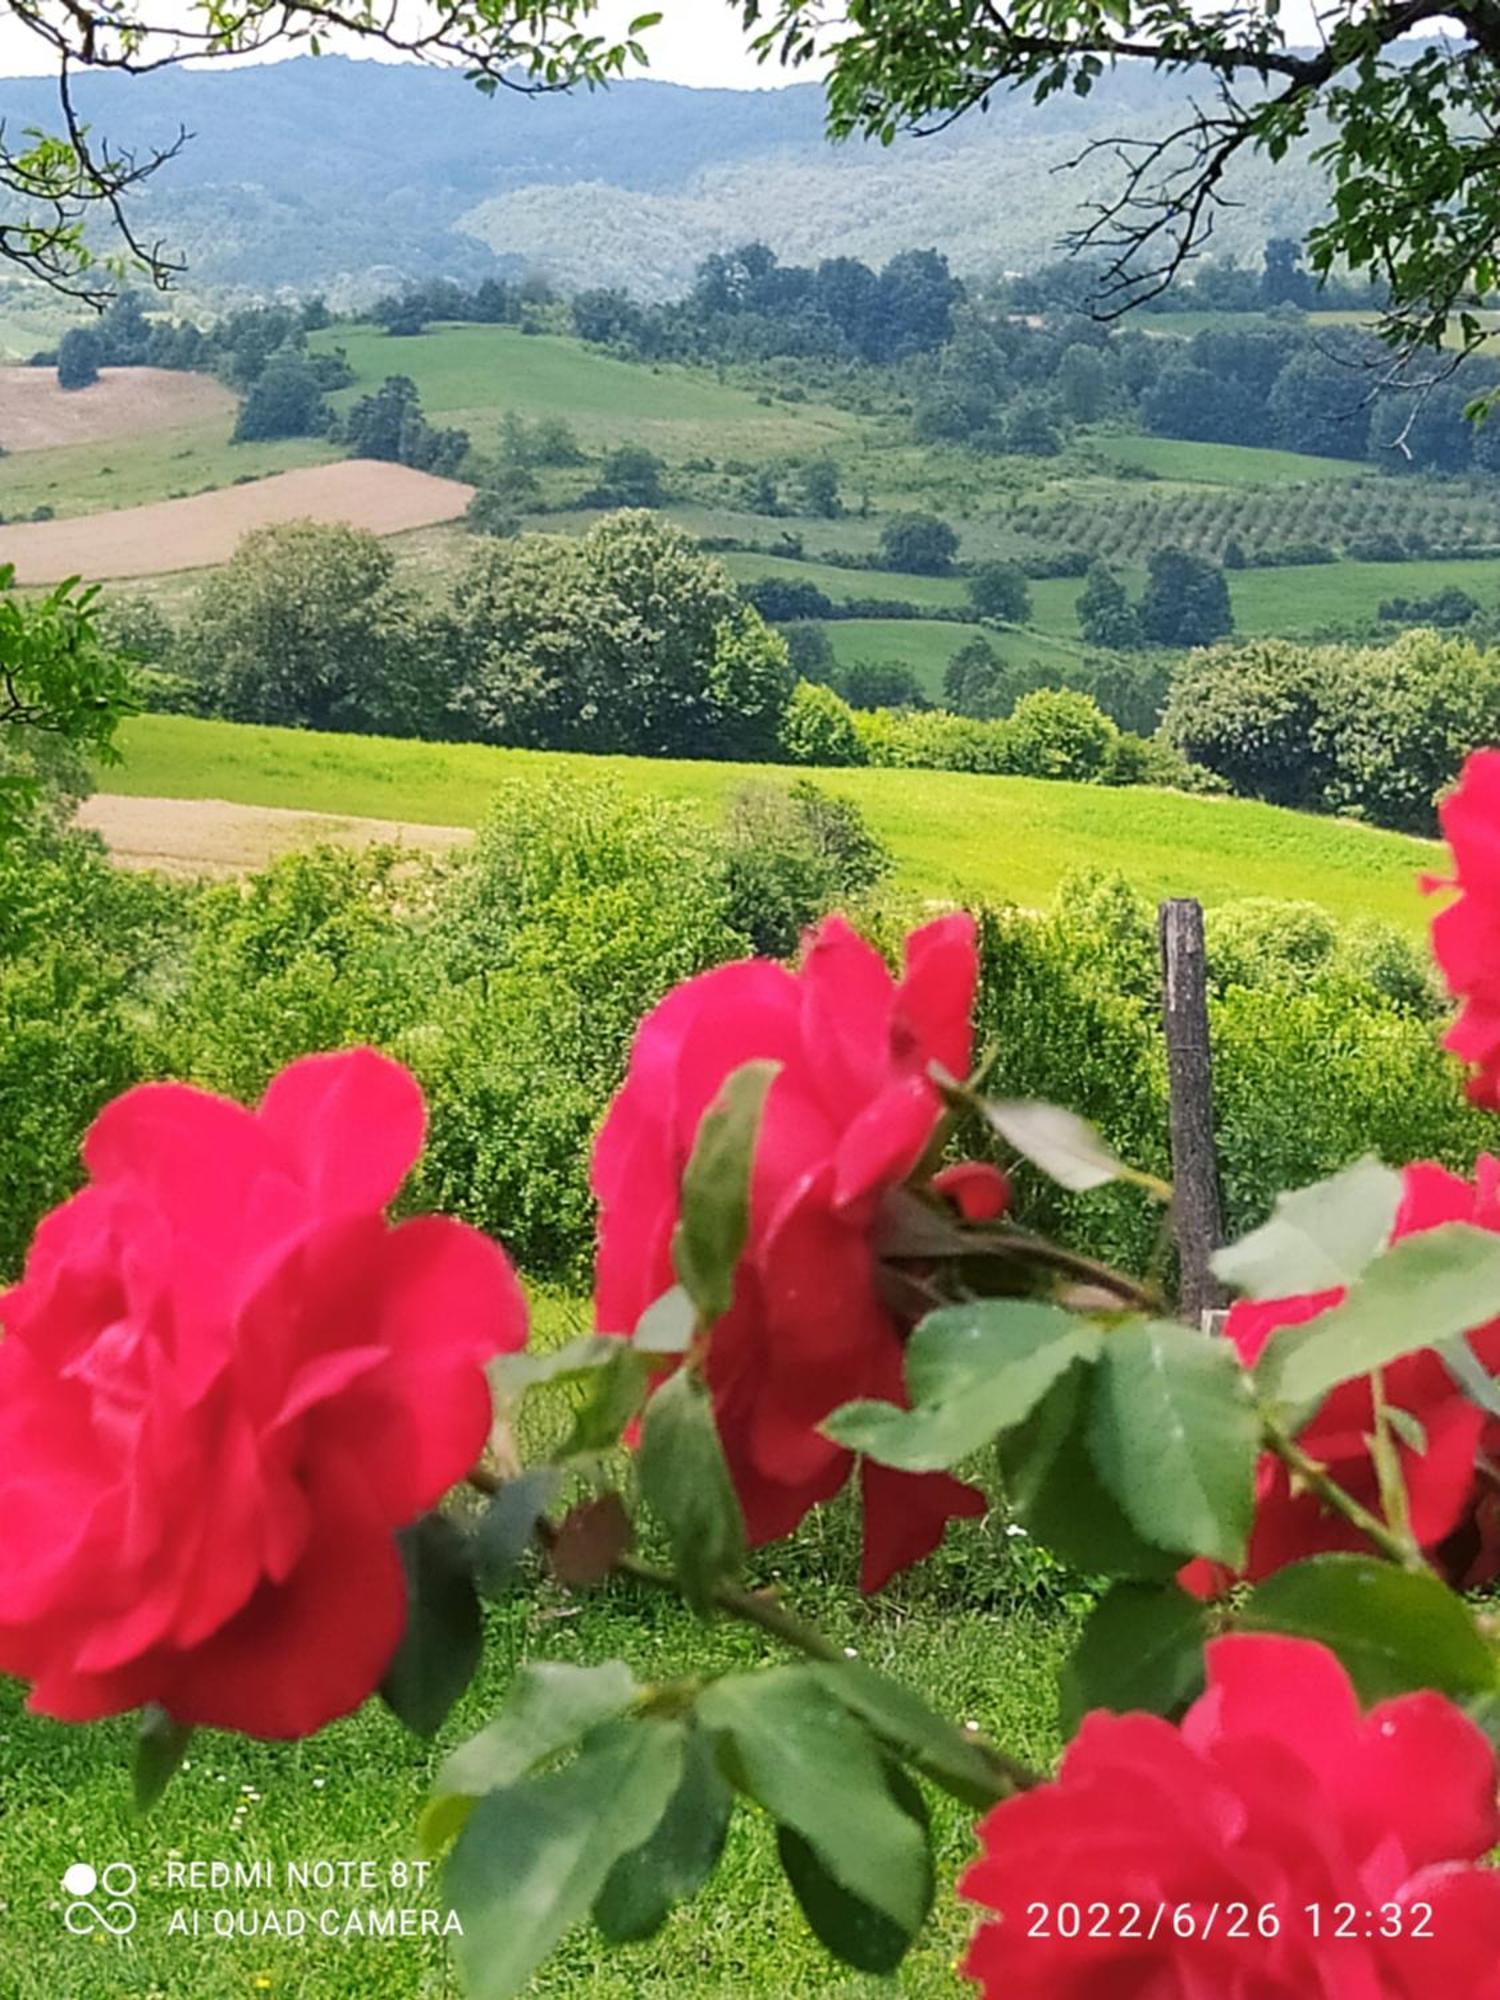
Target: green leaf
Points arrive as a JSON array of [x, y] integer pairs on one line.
[[1141, 1649], [160, 1746], [680, 1855], [618, 1389], [667, 1326], [972, 1371], [1425, 1291], [444, 1637], [1393, 1629], [1469, 1372], [574, 1360], [1317, 1239], [685, 1482], [715, 1218], [905, 1724], [507, 1526], [534, 1856], [1058, 1497], [855, 1932], [548, 1709], [1174, 1436], [787, 1744], [1065, 1146]]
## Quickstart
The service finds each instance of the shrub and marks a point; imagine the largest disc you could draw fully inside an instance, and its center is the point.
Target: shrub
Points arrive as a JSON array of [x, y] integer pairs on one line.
[[791, 855], [1060, 733], [998, 590], [820, 728], [920, 544]]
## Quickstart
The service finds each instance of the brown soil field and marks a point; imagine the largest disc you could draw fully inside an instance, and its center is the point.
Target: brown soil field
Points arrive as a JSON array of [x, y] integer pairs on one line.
[[205, 529], [124, 402], [194, 837]]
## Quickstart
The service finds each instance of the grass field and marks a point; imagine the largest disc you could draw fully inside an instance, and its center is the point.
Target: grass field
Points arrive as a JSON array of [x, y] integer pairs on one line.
[[470, 375], [354, 1792], [1221, 464], [129, 472], [952, 834]]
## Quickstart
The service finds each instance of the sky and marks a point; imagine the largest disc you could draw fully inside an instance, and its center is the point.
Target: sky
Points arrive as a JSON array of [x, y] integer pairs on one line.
[[697, 42]]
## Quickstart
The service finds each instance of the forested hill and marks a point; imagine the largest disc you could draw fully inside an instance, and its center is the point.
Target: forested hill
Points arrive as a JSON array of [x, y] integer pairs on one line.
[[328, 172]]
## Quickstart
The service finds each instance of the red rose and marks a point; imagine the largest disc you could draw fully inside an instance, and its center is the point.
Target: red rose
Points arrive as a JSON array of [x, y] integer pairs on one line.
[[1466, 935], [1276, 1796], [1451, 1490], [847, 1118], [225, 1381]]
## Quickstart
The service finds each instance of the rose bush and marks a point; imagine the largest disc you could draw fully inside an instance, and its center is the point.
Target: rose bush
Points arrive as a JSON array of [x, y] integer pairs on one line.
[[1446, 1450], [1275, 1794], [226, 1381], [849, 1117], [1466, 935]]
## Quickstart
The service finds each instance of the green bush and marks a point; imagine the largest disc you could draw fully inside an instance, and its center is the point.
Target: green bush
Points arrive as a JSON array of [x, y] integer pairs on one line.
[[819, 727], [1060, 733], [789, 856]]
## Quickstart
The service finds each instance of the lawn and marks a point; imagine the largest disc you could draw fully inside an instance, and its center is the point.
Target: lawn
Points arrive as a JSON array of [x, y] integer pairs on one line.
[[1222, 464], [470, 375], [942, 593], [354, 1792], [129, 471], [1293, 600], [953, 834]]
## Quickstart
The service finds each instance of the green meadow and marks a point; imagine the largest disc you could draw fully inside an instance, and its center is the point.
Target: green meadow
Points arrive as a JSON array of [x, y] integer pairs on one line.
[[470, 375], [953, 834]]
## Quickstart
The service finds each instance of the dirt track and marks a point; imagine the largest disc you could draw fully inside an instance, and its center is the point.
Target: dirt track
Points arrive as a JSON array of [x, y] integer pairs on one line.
[[125, 402], [212, 837], [206, 529]]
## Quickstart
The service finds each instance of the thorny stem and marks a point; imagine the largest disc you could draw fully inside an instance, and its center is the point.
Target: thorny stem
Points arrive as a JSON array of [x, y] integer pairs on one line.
[[1397, 1548]]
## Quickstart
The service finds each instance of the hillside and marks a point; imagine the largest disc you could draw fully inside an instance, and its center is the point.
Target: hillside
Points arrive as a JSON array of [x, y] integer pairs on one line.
[[347, 176], [1010, 839]]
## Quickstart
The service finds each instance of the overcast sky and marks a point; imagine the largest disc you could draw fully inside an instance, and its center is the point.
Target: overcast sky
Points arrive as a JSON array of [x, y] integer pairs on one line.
[[697, 42]]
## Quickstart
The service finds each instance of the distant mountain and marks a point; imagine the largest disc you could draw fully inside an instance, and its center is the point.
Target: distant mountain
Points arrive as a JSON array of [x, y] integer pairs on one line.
[[350, 176]]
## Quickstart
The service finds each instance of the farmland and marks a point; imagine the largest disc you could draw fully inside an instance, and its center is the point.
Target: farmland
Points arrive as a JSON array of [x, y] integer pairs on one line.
[[1008, 838], [204, 530]]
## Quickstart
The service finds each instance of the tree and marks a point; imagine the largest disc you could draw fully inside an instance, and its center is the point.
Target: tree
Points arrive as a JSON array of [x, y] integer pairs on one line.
[[1000, 590], [1321, 406], [1083, 383], [390, 425], [64, 688], [1030, 427], [307, 626], [78, 355], [1186, 601], [1106, 617], [976, 682], [818, 486], [626, 638], [632, 478], [881, 684], [919, 544], [285, 400], [1284, 282], [1414, 201]]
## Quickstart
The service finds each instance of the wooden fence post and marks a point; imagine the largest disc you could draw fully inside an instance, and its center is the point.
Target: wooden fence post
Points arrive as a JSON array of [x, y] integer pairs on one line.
[[1197, 1213]]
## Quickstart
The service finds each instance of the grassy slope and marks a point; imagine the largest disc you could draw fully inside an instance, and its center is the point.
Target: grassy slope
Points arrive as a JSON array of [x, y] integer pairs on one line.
[[127, 472], [952, 834], [1222, 464], [470, 375]]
